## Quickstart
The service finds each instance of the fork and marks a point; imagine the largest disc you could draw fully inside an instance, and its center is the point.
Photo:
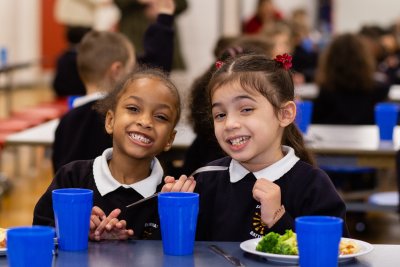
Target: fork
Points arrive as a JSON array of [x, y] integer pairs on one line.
[[199, 170], [233, 260]]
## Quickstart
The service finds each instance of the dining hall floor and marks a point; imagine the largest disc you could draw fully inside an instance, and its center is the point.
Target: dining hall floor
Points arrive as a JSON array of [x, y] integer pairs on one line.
[[35, 174]]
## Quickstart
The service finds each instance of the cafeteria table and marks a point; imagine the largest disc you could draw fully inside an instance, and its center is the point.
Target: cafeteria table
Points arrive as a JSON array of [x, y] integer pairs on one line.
[[310, 91], [7, 71], [356, 144], [150, 254]]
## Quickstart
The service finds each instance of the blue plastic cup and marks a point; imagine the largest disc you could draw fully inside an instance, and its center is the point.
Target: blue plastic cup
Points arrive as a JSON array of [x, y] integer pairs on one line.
[[303, 115], [318, 239], [72, 209], [178, 219], [30, 246], [386, 115]]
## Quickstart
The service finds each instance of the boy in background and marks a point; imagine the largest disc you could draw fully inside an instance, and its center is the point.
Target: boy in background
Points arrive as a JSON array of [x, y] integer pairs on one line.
[[104, 58]]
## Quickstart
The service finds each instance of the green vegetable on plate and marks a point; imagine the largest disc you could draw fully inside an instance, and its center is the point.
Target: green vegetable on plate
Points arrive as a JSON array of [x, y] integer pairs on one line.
[[275, 243]]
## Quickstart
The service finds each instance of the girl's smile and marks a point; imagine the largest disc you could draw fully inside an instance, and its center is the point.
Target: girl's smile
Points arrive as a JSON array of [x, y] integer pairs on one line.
[[140, 139], [237, 143]]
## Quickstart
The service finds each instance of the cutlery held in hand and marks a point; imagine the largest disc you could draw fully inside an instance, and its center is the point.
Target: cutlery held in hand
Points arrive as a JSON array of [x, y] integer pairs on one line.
[[235, 261], [199, 170]]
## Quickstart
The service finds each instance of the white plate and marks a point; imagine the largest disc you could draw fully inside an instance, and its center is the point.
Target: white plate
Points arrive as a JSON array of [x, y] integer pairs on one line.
[[3, 251], [250, 247]]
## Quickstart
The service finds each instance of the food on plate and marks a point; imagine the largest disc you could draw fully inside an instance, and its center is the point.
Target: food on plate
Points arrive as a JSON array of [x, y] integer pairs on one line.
[[279, 244], [347, 247], [2, 238], [286, 244]]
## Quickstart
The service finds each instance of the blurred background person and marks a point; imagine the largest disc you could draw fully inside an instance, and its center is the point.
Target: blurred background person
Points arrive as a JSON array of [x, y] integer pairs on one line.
[[265, 14], [390, 65], [346, 79], [281, 35], [305, 48], [78, 18], [136, 15], [104, 58], [372, 34], [67, 81], [99, 15]]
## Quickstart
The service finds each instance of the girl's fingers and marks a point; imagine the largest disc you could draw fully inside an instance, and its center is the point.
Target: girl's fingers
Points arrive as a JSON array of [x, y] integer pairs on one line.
[[130, 232], [257, 194], [103, 224], [188, 184], [126, 234], [110, 225], [192, 186], [179, 183], [121, 224], [98, 212], [183, 184], [94, 221], [167, 187], [169, 179]]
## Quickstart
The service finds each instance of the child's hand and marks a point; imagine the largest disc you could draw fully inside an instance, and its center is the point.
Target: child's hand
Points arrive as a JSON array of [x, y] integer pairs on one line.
[[269, 195], [103, 227], [183, 184]]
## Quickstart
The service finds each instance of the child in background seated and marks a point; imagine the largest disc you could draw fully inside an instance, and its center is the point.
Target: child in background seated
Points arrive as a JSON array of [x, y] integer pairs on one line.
[[103, 59], [66, 79], [141, 114], [271, 179]]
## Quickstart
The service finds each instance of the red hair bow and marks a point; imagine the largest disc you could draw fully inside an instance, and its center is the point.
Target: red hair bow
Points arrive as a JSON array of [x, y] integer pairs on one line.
[[285, 60], [219, 64]]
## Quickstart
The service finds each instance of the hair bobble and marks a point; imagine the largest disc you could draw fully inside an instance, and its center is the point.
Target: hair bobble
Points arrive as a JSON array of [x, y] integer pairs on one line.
[[285, 60], [219, 64]]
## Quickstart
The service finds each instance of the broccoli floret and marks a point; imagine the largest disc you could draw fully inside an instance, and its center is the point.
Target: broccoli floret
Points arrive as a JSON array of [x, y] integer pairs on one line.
[[279, 244], [287, 244], [268, 242]]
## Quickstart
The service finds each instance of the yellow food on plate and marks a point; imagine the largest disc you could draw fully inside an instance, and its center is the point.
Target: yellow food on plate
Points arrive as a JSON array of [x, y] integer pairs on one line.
[[347, 247], [3, 238]]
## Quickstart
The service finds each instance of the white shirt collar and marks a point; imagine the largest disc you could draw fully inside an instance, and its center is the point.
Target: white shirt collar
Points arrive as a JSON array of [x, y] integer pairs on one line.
[[106, 183], [80, 101], [271, 173]]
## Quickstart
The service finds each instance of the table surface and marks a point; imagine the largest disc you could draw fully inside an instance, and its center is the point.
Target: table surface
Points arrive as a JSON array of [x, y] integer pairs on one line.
[[310, 91], [350, 139], [320, 138], [43, 134], [150, 253]]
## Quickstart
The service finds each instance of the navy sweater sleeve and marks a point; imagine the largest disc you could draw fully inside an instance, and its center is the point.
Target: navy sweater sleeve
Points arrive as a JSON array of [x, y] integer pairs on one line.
[[159, 43]]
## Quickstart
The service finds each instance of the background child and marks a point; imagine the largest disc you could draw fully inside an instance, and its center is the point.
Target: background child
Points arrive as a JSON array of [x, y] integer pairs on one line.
[[270, 180], [348, 86], [66, 77], [103, 59], [141, 114]]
